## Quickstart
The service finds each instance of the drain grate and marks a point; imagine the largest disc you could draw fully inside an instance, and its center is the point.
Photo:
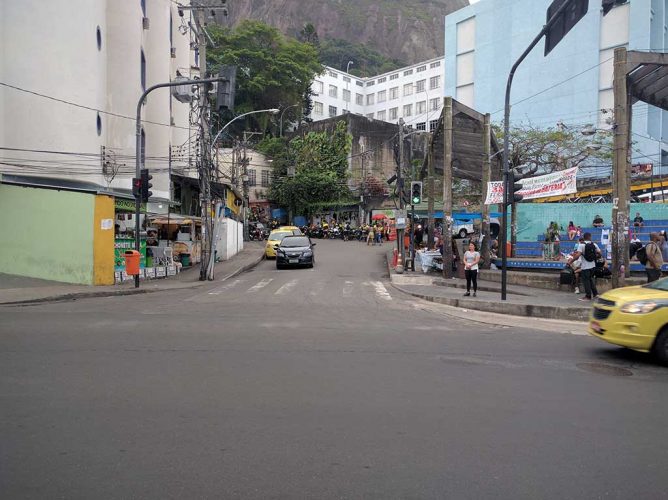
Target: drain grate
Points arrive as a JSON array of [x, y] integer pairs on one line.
[[605, 369]]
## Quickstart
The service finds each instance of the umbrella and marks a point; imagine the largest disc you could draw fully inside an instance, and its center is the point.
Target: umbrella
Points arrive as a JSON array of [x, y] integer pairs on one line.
[[379, 217]]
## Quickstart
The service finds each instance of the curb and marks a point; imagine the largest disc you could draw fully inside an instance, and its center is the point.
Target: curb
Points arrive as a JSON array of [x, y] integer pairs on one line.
[[132, 291], [527, 310]]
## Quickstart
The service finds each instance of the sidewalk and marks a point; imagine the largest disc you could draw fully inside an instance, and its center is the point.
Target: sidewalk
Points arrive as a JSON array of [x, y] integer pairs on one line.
[[520, 300], [24, 290]]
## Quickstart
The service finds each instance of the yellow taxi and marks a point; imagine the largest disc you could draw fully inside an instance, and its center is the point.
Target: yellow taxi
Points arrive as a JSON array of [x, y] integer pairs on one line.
[[295, 230], [635, 317], [275, 238]]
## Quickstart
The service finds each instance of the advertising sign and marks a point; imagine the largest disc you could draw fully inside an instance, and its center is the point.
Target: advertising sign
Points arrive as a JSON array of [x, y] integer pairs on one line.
[[542, 186]]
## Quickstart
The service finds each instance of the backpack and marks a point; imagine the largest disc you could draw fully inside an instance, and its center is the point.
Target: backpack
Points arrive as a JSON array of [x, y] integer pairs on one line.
[[589, 252], [641, 253]]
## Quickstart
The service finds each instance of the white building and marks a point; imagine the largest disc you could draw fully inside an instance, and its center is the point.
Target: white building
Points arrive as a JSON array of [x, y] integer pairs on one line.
[[414, 93]]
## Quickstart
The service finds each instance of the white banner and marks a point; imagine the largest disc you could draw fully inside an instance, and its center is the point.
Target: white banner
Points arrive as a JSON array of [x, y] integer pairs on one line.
[[554, 184]]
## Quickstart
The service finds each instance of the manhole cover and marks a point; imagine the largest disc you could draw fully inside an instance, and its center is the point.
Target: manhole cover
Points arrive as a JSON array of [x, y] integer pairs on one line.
[[603, 369]]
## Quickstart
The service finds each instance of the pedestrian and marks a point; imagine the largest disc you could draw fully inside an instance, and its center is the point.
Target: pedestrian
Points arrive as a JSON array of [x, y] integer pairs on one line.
[[371, 236], [471, 259], [587, 250], [654, 258], [572, 230]]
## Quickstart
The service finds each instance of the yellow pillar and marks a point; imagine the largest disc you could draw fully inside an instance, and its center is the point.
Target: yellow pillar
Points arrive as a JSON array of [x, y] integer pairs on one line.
[[103, 241]]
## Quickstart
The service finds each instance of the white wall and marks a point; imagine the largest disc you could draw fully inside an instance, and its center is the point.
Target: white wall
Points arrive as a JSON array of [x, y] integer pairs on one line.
[[230, 238]]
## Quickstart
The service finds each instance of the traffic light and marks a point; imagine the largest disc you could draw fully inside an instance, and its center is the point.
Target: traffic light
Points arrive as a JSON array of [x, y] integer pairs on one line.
[[416, 192], [226, 87], [146, 185], [514, 186], [136, 187]]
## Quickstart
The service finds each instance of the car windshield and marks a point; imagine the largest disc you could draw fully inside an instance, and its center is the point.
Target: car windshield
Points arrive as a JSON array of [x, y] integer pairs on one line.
[[661, 284], [279, 236], [295, 242]]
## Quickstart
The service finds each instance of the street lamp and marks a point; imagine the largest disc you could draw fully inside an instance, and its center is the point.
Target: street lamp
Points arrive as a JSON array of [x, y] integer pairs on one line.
[[348, 83], [284, 110], [272, 111]]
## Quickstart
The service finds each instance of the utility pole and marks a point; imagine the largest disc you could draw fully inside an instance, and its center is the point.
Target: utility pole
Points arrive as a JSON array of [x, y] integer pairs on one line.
[[621, 172], [400, 185], [447, 188], [486, 177], [430, 191]]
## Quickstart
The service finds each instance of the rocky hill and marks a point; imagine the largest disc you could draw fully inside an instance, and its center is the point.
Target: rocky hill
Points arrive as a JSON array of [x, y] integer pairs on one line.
[[405, 30]]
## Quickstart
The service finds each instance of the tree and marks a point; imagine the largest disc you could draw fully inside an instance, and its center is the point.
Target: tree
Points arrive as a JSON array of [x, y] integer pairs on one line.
[[320, 162], [553, 149], [367, 62], [273, 71]]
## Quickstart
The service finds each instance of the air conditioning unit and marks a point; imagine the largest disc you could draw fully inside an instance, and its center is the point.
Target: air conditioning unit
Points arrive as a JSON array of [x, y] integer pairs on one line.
[[145, 24], [172, 51], [182, 93]]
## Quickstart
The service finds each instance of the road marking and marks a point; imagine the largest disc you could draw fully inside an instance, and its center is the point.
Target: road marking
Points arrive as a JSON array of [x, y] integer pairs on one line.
[[286, 288], [227, 286], [317, 288], [348, 289], [381, 291], [260, 285]]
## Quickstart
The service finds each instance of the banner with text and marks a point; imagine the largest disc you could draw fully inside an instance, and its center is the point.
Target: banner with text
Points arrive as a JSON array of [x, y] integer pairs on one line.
[[554, 184]]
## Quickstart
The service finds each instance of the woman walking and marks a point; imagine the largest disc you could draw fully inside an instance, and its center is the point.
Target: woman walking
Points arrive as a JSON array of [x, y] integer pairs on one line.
[[471, 259]]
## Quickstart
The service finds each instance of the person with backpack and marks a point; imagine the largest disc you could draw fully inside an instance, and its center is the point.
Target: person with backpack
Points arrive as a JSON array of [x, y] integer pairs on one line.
[[653, 258], [587, 250]]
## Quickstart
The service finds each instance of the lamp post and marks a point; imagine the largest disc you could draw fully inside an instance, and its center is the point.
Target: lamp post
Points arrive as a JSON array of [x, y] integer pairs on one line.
[[273, 111], [284, 110], [348, 84], [138, 145]]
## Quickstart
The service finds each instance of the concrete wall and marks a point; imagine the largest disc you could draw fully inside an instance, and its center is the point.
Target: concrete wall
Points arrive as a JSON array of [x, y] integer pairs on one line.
[[48, 234], [230, 239], [533, 218]]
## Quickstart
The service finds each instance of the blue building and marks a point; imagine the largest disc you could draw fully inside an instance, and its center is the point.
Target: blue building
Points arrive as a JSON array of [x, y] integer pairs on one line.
[[572, 84]]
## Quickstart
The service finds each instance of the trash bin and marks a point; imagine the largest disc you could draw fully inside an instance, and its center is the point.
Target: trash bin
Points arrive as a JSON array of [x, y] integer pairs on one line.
[[132, 262], [185, 259]]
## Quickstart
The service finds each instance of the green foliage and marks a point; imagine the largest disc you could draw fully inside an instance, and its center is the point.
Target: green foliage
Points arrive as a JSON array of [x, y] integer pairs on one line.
[[273, 71], [366, 62], [554, 149], [320, 160]]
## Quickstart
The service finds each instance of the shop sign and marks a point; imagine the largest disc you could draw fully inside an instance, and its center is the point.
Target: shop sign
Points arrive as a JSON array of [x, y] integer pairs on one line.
[[123, 205]]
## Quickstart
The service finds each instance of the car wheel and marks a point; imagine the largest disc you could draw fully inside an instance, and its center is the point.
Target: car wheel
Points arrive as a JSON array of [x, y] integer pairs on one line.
[[462, 233], [660, 348], [278, 266]]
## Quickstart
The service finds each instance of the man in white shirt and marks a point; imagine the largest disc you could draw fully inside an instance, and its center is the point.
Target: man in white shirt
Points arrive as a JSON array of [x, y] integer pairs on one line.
[[587, 253]]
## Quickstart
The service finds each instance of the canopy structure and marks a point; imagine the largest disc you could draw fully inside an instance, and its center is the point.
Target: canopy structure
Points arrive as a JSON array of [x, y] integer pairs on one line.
[[648, 77]]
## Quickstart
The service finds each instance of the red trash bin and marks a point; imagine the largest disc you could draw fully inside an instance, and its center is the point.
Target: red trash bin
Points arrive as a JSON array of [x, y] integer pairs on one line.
[[132, 262]]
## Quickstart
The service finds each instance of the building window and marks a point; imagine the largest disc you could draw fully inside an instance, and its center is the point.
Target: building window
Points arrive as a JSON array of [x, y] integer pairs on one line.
[[359, 99], [394, 112], [408, 109], [382, 79], [382, 96], [408, 72], [333, 91], [434, 104], [317, 108], [332, 111], [420, 107], [142, 71], [435, 64], [381, 115], [143, 7], [434, 82], [346, 79], [370, 115], [346, 95], [359, 84], [252, 177], [422, 68], [421, 126], [370, 83], [420, 85], [408, 89], [266, 176], [369, 99], [318, 87], [394, 76], [394, 93], [432, 125], [333, 75], [99, 124], [98, 35]]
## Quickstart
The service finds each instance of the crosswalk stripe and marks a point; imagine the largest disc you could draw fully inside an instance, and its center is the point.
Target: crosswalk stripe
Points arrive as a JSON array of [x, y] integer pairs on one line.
[[381, 291], [225, 287], [259, 285], [286, 288], [317, 288], [348, 289]]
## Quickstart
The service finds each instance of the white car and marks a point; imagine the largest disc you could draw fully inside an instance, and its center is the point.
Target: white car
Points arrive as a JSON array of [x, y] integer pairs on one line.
[[462, 229]]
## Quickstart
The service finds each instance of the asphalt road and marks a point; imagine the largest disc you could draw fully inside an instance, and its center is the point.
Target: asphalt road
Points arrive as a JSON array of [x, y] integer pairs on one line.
[[323, 383]]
